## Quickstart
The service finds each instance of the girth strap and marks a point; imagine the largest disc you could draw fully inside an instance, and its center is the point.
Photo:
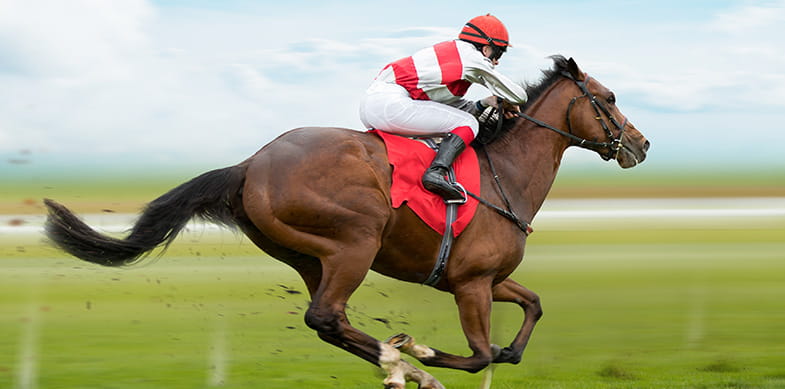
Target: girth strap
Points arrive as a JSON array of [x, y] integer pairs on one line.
[[447, 238]]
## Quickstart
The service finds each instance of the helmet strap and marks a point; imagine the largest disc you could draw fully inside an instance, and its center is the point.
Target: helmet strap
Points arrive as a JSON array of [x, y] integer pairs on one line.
[[497, 50], [483, 35]]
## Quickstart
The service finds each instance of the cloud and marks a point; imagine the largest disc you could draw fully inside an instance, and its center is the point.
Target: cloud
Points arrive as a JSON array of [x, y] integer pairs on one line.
[[138, 80], [113, 79], [751, 19], [714, 60], [90, 77], [66, 40]]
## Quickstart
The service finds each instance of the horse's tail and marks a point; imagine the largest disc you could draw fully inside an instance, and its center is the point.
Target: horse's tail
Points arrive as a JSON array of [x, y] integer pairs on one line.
[[212, 196]]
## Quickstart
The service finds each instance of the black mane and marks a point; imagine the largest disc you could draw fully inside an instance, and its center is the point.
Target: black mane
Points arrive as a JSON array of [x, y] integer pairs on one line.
[[489, 132], [549, 76]]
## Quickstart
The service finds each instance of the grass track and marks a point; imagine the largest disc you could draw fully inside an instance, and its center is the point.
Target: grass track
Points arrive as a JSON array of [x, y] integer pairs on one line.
[[623, 309]]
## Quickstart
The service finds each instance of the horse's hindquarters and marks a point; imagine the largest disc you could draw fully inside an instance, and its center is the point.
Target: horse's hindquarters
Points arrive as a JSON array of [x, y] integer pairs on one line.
[[319, 190]]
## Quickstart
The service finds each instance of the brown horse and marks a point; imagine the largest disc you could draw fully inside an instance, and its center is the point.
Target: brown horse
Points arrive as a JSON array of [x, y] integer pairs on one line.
[[318, 199]]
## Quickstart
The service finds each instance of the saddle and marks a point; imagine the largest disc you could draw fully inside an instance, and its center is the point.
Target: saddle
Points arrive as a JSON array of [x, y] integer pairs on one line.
[[409, 158]]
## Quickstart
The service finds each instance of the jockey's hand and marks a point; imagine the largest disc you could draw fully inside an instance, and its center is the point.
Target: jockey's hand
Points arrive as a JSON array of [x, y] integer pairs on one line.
[[508, 106], [510, 110]]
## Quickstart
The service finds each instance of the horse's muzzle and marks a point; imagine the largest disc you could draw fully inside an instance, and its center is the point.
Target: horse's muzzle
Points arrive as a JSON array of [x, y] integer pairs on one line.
[[633, 150]]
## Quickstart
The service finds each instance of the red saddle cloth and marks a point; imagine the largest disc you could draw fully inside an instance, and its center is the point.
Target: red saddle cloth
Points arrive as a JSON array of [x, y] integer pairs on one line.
[[409, 159]]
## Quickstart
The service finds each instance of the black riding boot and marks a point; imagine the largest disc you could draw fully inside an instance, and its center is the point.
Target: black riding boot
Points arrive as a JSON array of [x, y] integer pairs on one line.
[[434, 178]]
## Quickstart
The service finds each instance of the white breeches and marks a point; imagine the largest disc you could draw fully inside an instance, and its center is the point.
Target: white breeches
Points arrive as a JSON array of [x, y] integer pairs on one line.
[[388, 107]]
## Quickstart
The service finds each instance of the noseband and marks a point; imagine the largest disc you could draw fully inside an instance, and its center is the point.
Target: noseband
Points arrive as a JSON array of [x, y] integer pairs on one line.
[[613, 144]]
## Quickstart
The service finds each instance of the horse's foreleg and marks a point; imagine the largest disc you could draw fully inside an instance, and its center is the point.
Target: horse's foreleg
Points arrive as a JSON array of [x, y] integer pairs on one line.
[[511, 291], [474, 306]]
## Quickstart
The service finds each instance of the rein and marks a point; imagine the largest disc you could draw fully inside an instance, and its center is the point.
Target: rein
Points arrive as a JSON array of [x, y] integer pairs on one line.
[[508, 213], [614, 144]]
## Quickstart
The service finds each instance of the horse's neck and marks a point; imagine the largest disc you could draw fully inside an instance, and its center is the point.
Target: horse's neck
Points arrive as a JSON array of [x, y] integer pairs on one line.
[[530, 156]]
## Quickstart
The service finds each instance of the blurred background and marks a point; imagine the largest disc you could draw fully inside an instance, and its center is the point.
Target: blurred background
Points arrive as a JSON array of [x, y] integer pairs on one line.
[[675, 266]]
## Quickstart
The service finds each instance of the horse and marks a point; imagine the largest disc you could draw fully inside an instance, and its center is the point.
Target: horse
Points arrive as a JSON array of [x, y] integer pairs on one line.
[[318, 199]]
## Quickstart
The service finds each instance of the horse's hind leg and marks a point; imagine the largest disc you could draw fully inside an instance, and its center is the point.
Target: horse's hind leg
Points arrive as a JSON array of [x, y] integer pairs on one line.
[[309, 268], [511, 291], [327, 315]]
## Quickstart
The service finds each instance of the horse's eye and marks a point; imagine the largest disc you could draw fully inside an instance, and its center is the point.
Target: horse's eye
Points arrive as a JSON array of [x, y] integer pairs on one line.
[[612, 99]]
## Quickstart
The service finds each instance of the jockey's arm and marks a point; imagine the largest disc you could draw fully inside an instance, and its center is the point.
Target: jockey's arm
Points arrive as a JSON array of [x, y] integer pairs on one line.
[[510, 109], [484, 74]]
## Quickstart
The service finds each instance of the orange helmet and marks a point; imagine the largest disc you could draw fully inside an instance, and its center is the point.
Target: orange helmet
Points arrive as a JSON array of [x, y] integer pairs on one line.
[[486, 29]]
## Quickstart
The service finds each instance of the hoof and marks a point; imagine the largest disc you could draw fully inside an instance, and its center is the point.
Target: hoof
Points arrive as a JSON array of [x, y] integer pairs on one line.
[[402, 371], [506, 355], [399, 340]]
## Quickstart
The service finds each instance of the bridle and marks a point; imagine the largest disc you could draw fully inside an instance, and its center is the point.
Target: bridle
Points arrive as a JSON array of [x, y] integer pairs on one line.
[[613, 144]]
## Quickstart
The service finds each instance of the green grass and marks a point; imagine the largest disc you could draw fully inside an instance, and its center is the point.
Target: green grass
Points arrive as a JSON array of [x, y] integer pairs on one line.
[[623, 309]]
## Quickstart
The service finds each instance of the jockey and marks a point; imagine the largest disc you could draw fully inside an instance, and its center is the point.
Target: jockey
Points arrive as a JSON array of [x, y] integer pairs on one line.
[[423, 94]]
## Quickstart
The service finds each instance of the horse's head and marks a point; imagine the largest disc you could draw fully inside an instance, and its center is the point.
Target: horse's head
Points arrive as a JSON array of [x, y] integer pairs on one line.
[[594, 121]]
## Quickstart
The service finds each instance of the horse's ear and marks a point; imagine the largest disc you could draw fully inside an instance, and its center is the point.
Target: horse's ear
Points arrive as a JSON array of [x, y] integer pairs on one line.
[[573, 68]]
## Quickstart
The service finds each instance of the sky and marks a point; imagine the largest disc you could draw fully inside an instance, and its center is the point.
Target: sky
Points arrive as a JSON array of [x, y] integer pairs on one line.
[[90, 84]]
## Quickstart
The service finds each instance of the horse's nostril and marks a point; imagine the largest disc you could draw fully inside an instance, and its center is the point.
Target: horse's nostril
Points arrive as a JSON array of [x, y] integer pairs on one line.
[[646, 146]]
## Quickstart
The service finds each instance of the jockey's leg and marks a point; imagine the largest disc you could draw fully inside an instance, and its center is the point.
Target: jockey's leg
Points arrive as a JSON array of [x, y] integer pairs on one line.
[[390, 108], [434, 178]]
